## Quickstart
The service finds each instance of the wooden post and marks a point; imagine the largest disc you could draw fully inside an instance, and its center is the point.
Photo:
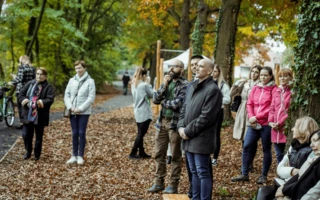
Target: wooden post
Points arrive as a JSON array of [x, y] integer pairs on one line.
[[161, 70], [158, 71], [276, 72], [189, 64]]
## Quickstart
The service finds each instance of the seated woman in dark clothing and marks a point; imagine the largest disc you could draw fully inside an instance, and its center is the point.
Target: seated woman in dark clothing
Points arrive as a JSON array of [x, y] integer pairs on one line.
[[308, 176], [295, 157]]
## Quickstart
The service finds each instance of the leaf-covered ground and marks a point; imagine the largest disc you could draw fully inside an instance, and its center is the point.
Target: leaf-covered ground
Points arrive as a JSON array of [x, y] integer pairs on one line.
[[107, 172]]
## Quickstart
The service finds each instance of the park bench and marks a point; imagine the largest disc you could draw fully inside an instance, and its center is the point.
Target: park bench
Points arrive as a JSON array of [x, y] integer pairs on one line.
[[175, 197]]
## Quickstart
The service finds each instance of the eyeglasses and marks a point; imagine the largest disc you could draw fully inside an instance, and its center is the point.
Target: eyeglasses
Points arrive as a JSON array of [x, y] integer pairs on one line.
[[38, 74], [176, 66]]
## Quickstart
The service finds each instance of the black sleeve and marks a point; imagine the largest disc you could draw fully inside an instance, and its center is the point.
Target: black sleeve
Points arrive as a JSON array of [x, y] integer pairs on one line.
[[23, 92], [289, 186]]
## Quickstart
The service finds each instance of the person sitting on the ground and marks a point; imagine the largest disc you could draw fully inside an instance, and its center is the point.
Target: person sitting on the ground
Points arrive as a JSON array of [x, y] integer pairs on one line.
[[295, 157], [308, 176]]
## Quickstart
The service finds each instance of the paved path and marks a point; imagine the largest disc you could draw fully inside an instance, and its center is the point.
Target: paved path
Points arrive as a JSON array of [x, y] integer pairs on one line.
[[9, 135]]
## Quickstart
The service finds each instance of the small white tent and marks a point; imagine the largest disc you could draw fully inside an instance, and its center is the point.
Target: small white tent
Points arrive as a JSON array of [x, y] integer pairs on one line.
[[184, 57]]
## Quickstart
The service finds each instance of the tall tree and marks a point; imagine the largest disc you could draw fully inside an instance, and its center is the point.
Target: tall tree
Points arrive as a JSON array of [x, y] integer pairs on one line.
[[226, 35], [35, 30], [225, 40], [306, 84]]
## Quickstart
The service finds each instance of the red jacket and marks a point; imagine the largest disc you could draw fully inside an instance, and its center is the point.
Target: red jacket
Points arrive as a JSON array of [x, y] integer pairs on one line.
[[259, 102], [279, 112]]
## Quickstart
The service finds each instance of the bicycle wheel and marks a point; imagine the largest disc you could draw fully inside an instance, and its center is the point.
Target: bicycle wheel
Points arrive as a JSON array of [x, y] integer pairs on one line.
[[9, 113]]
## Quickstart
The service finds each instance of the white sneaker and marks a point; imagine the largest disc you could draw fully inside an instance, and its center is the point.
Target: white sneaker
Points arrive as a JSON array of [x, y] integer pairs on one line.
[[73, 159], [214, 162], [80, 160]]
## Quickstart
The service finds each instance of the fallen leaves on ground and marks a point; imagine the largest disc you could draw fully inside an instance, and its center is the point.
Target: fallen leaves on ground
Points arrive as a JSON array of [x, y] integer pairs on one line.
[[107, 172]]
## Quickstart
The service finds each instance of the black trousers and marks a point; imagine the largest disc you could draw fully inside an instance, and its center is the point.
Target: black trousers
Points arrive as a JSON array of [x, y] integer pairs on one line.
[[142, 130], [19, 107], [217, 137], [267, 192], [27, 134]]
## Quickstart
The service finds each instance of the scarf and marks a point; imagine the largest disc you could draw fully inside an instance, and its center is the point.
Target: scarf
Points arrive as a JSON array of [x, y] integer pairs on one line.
[[34, 96]]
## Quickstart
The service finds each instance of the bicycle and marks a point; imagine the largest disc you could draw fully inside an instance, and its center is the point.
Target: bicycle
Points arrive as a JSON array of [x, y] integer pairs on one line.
[[7, 108]]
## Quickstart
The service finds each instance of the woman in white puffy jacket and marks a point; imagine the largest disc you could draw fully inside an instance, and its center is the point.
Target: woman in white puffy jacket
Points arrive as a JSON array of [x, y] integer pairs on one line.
[[78, 98]]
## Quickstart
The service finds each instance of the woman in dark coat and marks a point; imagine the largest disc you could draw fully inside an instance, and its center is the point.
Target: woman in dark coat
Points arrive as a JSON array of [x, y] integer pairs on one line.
[[36, 98]]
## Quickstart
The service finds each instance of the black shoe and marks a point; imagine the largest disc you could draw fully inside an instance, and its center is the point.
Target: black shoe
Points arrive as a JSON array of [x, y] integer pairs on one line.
[[170, 190], [26, 156], [36, 158], [240, 178], [262, 179], [146, 156], [189, 194], [156, 188], [19, 127], [251, 169], [169, 158], [134, 157]]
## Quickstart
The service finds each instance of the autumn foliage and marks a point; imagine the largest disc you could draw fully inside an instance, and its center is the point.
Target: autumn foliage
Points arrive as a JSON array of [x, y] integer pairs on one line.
[[107, 172]]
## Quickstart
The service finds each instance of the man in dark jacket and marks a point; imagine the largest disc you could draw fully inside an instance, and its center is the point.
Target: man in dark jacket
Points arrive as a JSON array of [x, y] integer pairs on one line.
[[125, 81], [197, 126]]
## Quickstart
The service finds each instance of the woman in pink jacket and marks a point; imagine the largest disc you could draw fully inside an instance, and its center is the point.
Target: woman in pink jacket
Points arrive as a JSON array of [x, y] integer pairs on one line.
[[279, 112], [258, 107]]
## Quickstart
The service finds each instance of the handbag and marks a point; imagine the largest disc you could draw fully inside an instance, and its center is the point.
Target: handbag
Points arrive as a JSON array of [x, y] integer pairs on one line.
[[236, 103], [66, 112]]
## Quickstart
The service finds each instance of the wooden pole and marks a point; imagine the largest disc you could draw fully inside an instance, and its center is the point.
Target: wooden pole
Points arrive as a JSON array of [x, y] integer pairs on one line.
[[276, 77], [189, 64], [161, 70], [158, 71]]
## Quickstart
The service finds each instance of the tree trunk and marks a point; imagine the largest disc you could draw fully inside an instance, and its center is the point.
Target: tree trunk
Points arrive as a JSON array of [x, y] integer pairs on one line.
[[185, 25], [12, 49], [1, 72], [1, 4], [225, 41], [35, 32], [306, 84]]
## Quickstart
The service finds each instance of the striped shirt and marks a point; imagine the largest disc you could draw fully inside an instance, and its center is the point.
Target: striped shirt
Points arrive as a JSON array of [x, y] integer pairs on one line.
[[159, 97]]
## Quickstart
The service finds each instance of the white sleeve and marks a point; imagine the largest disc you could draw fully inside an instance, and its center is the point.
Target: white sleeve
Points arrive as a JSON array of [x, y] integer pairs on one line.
[[284, 169], [226, 94], [313, 193]]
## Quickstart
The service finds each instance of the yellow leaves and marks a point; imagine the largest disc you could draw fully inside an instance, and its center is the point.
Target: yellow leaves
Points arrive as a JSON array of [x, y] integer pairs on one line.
[[246, 30]]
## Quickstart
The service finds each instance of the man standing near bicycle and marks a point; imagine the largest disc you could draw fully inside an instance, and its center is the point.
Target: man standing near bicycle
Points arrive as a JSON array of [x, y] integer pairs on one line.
[[26, 73]]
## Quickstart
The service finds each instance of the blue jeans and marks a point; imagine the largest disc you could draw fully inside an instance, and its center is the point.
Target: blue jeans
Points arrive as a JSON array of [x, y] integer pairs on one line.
[[201, 175], [79, 128], [250, 141], [279, 148]]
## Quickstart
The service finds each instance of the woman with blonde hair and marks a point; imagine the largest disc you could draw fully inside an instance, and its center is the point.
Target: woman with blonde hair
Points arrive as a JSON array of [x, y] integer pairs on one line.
[[279, 112], [26, 73], [141, 91], [225, 90], [297, 154]]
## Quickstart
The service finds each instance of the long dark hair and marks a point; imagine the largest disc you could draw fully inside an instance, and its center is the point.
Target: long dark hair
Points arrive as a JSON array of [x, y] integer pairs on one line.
[[316, 132], [270, 72]]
